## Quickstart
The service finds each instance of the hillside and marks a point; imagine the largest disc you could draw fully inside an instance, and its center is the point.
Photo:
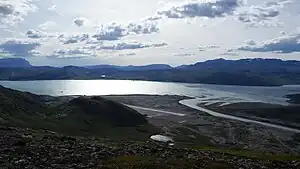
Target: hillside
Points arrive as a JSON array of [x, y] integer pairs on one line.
[[247, 65], [27, 148], [77, 116], [248, 72], [95, 132], [14, 63], [133, 68]]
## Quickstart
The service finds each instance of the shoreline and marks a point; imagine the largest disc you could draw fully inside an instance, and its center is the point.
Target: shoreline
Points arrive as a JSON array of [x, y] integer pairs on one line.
[[193, 104], [141, 80], [198, 128]]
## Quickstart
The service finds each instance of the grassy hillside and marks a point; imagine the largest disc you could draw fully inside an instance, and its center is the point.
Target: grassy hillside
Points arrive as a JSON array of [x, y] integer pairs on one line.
[[27, 148], [94, 116], [94, 132]]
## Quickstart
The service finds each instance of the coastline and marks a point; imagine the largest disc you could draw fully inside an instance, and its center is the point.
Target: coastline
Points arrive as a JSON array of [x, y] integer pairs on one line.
[[145, 80], [212, 130], [192, 103], [138, 102]]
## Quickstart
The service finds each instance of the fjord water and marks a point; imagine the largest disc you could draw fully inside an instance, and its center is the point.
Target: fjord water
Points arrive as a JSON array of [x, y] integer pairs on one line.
[[215, 93]]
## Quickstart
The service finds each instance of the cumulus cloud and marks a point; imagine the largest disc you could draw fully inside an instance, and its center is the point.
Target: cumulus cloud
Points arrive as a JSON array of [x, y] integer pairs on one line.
[[47, 25], [114, 31], [200, 8], [147, 27], [73, 39], [18, 47], [6, 9], [34, 34], [261, 14], [284, 44], [12, 12], [80, 21]]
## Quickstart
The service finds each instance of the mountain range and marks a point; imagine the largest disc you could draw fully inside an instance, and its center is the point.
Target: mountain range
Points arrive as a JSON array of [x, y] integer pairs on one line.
[[249, 72], [14, 63]]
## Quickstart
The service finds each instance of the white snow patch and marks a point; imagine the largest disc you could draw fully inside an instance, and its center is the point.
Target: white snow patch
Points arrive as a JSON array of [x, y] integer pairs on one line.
[[161, 138]]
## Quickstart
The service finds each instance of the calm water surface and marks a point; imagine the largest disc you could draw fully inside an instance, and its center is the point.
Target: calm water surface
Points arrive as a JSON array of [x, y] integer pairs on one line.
[[213, 93]]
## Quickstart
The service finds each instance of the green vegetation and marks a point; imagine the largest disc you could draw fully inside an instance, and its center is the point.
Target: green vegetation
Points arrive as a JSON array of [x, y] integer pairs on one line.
[[249, 154], [95, 132], [27, 148], [80, 116]]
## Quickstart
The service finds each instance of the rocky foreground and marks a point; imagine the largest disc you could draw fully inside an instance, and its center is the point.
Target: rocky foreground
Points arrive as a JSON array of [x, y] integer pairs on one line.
[[26, 148]]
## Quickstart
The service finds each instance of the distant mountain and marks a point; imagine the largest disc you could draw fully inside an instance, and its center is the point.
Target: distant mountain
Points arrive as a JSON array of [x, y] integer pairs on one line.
[[250, 65], [132, 68], [14, 63], [248, 72]]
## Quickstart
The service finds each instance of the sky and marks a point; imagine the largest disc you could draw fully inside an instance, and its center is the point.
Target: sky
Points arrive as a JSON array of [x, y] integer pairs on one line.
[[140, 32]]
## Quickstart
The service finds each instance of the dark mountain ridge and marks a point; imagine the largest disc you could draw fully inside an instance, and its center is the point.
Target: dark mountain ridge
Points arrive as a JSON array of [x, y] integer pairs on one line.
[[14, 63], [249, 72], [132, 68], [258, 65]]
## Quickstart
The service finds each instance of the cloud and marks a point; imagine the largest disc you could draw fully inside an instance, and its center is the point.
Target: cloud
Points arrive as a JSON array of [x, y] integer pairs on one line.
[[154, 18], [38, 34], [79, 21], [34, 34], [185, 54], [47, 25], [128, 54], [261, 14], [6, 9], [284, 44], [282, 33], [70, 53], [12, 12], [213, 46], [147, 27], [18, 47], [73, 39], [158, 45], [250, 42], [200, 8], [230, 54], [114, 31], [125, 46], [204, 48], [52, 8]]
